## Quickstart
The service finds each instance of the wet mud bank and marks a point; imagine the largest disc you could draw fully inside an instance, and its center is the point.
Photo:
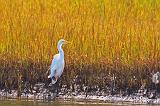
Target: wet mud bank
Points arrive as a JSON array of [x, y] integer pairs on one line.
[[81, 94]]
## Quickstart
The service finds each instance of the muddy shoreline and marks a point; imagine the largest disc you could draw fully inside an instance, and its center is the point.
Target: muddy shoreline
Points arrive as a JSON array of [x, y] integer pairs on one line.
[[116, 99], [40, 93]]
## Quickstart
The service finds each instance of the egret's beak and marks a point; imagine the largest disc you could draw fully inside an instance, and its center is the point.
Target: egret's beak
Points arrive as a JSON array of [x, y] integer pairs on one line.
[[67, 42]]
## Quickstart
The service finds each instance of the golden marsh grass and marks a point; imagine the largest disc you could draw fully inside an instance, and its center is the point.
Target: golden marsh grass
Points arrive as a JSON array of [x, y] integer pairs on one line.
[[108, 36]]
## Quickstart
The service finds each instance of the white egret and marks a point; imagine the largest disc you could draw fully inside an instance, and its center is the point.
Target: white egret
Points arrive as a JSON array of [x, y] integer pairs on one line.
[[57, 65]]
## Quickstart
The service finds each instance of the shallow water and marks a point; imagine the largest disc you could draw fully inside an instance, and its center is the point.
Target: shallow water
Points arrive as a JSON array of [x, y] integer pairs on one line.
[[56, 103]]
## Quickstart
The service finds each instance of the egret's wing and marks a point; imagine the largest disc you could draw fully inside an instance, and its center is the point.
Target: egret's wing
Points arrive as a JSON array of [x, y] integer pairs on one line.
[[54, 65]]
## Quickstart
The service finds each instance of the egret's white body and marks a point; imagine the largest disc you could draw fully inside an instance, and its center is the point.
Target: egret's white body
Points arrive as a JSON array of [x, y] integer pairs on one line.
[[57, 65]]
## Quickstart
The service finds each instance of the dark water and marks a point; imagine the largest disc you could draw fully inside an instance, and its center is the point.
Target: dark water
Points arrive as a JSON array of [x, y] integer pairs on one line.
[[57, 103]]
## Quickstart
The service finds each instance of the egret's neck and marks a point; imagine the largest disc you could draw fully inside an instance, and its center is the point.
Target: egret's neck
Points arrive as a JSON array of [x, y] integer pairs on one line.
[[60, 50]]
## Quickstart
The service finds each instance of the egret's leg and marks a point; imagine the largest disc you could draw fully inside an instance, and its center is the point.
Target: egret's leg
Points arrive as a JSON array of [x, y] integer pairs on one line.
[[54, 79], [57, 87]]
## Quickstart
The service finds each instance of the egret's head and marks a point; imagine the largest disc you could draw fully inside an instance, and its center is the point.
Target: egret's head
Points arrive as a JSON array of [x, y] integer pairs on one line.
[[61, 41]]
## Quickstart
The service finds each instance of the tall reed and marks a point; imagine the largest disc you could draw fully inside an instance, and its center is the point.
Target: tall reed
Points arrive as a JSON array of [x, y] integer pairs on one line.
[[121, 37]]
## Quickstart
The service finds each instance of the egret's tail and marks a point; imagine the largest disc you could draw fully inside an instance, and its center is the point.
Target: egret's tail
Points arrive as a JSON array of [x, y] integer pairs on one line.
[[49, 76]]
